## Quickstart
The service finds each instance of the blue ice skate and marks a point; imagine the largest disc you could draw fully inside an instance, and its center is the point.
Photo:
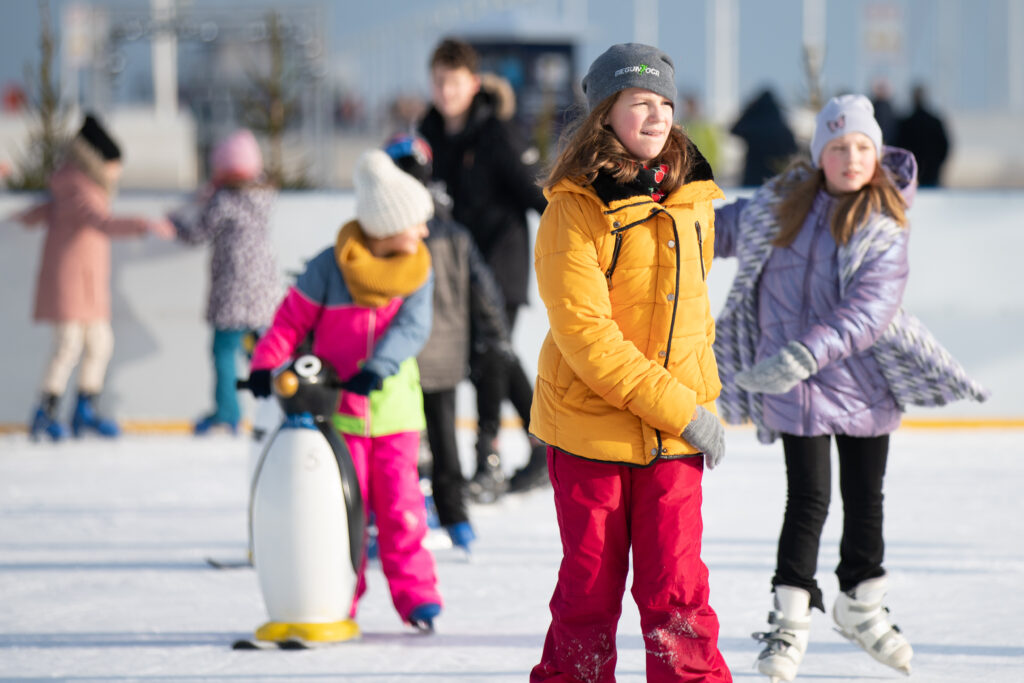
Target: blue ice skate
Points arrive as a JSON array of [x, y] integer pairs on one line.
[[422, 617], [462, 534], [86, 417], [45, 422]]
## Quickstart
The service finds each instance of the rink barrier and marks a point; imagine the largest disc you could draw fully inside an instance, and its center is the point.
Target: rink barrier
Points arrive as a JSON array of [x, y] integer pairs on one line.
[[469, 424]]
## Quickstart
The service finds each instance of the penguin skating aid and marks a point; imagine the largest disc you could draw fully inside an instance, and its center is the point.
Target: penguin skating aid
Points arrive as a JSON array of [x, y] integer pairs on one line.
[[306, 515]]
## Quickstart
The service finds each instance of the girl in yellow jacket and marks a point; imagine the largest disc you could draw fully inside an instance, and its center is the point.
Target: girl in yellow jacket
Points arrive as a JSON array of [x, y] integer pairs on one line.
[[627, 376]]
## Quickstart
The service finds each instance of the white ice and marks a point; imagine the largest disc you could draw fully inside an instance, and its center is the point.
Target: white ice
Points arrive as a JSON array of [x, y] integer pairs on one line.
[[102, 572]]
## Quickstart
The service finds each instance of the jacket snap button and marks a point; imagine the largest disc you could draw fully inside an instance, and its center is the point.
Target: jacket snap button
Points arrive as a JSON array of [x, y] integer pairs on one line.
[[654, 451], [671, 297], [661, 354], [671, 244], [664, 450], [616, 224]]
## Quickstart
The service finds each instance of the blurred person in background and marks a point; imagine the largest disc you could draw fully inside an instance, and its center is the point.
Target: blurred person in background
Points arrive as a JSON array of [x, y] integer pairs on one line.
[[770, 142], [703, 132], [73, 288], [812, 347], [233, 214], [885, 113], [468, 306], [491, 177], [924, 133]]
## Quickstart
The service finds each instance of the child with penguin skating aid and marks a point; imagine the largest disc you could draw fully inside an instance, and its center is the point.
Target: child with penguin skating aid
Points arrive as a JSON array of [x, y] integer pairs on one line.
[[368, 302]]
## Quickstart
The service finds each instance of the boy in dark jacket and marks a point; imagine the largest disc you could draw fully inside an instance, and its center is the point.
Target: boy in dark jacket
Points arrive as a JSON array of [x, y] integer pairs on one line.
[[490, 177], [467, 301]]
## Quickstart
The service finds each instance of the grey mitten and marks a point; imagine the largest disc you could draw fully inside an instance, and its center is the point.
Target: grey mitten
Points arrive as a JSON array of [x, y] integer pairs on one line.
[[706, 433], [779, 373]]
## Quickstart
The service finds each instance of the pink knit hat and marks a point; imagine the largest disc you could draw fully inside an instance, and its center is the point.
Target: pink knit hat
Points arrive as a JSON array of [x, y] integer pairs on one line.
[[236, 159]]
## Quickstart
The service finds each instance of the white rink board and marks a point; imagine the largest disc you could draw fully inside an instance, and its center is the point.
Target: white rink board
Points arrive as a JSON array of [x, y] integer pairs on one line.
[[965, 284]]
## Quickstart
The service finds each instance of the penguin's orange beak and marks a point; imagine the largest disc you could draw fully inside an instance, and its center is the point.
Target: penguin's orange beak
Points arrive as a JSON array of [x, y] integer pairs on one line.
[[286, 384]]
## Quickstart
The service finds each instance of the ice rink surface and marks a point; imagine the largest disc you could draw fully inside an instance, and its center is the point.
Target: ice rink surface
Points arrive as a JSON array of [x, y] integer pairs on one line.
[[103, 574]]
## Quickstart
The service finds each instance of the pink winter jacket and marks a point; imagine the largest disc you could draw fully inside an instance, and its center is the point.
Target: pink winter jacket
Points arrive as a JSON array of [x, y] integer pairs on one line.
[[74, 275]]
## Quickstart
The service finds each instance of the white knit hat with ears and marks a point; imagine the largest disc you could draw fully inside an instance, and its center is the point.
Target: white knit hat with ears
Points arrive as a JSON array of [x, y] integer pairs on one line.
[[388, 200]]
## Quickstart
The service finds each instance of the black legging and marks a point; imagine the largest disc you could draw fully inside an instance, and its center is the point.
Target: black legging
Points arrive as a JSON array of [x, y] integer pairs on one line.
[[497, 377], [446, 477], [809, 481]]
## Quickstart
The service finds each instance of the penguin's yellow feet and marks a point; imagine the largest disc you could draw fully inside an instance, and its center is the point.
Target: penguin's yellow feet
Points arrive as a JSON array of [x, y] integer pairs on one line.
[[329, 632]]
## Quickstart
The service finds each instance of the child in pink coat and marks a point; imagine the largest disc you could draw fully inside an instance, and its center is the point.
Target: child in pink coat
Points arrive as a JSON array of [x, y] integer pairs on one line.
[[73, 290]]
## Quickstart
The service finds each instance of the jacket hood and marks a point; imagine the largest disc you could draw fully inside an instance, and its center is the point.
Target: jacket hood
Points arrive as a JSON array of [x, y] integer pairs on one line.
[[901, 166], [498, 91]]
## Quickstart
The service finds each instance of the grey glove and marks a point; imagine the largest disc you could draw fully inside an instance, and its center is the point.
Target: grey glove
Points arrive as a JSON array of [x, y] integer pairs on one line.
[[706, 433], [779, 373]]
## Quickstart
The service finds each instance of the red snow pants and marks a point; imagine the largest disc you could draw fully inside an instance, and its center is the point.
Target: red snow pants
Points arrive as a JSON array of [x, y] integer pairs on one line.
[[604, 509]]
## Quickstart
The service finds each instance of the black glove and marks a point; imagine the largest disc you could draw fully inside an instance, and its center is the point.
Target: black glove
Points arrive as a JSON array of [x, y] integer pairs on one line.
[[363, 382], [259, 383]]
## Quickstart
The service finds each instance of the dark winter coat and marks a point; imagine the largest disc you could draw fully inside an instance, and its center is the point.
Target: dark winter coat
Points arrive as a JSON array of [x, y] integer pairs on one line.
[[924, 134], [244, 283], [770, 142], [491, 178], [467, 300]]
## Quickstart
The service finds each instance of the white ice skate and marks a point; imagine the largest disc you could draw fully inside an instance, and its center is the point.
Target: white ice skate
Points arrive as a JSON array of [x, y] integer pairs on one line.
[[786, 643], [861, 617]]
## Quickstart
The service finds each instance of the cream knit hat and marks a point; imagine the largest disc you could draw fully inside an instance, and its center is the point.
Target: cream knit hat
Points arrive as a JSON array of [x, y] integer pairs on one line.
[[388, 200]]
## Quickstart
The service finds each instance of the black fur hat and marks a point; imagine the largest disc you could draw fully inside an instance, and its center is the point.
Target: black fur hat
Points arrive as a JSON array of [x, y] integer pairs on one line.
[[98, 138]]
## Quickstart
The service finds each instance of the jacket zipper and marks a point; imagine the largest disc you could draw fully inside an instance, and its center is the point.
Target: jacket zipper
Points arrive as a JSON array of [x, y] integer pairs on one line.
[[700, 251], [615, 258], [805, 318], [675, 307], [369, 352], [619, 234]]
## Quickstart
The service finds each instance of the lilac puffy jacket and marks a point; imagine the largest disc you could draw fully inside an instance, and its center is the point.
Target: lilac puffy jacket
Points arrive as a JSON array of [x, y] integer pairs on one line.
[[798, 297]]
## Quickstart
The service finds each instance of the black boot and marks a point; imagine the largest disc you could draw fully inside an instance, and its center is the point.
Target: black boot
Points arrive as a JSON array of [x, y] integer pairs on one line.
[[534, 473], [488, 484]]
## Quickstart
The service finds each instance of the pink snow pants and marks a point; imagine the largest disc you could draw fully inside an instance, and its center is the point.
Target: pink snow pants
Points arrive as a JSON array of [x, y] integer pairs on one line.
[[603, 509], [389, 482]]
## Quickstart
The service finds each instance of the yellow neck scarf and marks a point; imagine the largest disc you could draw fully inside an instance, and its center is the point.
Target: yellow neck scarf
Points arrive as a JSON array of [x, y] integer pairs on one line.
[[374, 281]]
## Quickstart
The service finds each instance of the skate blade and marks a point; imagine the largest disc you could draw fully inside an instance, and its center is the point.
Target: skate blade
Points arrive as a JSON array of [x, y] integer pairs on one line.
[[905, 670]]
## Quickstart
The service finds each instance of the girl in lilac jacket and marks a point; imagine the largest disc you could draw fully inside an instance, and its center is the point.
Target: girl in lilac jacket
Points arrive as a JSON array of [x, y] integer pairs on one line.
[[812, 344], [368, 303]]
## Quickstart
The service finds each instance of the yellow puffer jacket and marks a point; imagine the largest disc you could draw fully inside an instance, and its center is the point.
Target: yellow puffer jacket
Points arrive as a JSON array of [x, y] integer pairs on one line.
[[628, 357]]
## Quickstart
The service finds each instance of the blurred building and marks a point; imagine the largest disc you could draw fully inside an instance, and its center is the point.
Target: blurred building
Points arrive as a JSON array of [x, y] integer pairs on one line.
[[353, 61]]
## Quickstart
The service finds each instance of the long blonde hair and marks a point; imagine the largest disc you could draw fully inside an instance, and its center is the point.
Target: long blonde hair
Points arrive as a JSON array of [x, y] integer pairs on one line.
[[588, 146], [851, 211]]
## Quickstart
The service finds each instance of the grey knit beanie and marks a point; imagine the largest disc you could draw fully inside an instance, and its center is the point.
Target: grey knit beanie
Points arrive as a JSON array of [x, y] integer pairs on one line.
[[629, 65], [388, 200], [841, 115]]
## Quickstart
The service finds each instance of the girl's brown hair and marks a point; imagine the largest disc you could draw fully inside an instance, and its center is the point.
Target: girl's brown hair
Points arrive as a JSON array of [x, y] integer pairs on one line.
[[589, 146], [850, 212]]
